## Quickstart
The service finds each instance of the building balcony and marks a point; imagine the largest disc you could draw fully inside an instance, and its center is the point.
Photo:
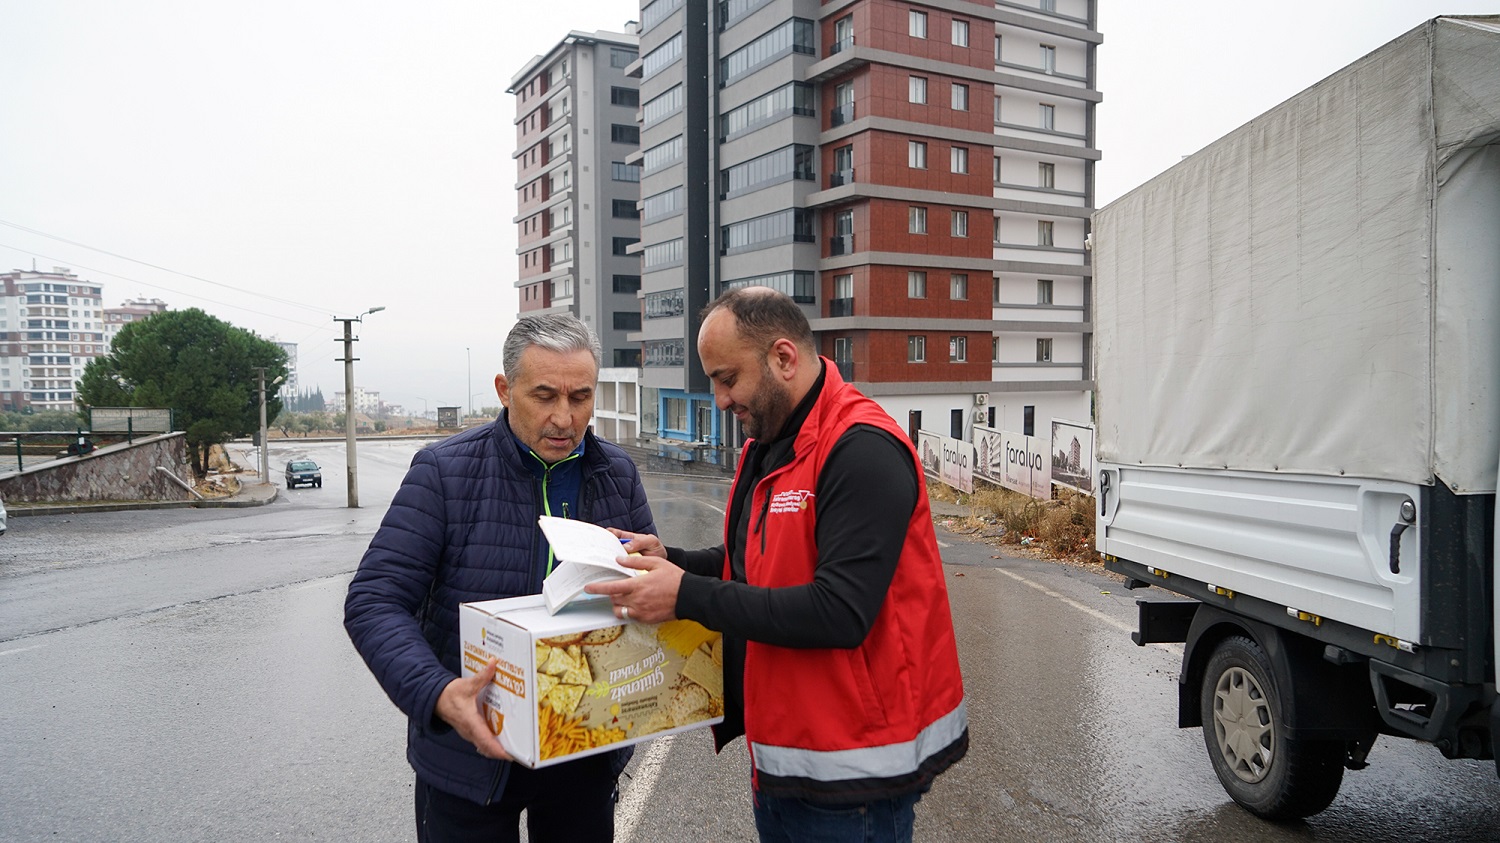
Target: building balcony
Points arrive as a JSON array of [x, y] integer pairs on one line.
[[841, 114], [839, 46], [841, 245], [840, 307], [840, 177]]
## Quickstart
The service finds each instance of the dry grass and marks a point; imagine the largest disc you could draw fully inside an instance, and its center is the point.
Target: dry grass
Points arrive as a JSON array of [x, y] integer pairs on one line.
[[1062, 528]]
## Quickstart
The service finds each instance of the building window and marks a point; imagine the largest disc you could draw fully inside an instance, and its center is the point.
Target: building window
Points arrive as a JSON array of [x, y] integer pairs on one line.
[[995, 291], [622, 58], [795, 98], [959, 159], [663, 204], [996, 168], [1048, 6], [916, 220], [997, 109], [621, 244], [662, 254], [669, 102], [958, 286], [669, 51], [997, 49], [620, 171], [625, 134], [1048, 117], [916, 284], [800, 285], [916, 349], [1049, 59], [917, 90], [624, 209], [960, 97], [996, 224], [958, 349], [629, 97], [629, 320], [788, 162], [664, 304], [960, 33], [1028, 420], [843, 34], [791, 225], [1044, 232], [916, 24], [994, 358], [794, 36], [1044, 350], [627, 283], [843, 286], [960, 223], [1044, 291], [662, 154], [916, 155], [1046, 174]]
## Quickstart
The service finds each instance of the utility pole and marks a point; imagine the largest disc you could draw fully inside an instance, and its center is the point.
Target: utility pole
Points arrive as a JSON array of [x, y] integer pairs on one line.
[[351, 472], [265, 456]]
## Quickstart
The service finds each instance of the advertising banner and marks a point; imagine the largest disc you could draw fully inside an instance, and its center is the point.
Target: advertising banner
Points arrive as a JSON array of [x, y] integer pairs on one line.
[[1019, 463], [947, 459], [1073, 456]]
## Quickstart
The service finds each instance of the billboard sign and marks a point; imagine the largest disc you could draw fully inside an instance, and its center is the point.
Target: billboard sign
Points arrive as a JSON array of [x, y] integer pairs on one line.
[[1073, 456]]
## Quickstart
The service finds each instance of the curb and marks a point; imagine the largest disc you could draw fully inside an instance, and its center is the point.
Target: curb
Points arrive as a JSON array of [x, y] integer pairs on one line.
[[239, 500]]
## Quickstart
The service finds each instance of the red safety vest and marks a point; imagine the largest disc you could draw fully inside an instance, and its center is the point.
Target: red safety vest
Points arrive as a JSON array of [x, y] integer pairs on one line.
[[881, 719]]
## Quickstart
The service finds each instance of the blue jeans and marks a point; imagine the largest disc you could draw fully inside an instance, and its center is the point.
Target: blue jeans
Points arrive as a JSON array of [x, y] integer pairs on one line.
[[783, 820]]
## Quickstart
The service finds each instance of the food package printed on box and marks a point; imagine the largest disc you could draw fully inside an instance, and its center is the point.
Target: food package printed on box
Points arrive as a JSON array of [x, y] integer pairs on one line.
[[580, 682]]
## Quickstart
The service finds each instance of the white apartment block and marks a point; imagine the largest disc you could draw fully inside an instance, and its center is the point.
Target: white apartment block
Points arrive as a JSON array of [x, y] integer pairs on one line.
[[51, 326]]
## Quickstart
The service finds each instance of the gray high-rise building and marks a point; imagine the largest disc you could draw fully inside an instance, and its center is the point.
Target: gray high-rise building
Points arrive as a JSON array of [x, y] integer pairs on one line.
[[578, 194]]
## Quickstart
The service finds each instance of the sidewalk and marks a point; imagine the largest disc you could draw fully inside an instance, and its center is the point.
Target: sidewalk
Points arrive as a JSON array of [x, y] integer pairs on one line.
[[253, 493]]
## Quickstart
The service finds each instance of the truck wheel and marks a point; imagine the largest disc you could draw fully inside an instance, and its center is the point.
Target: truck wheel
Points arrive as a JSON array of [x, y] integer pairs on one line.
[[1269, 774]]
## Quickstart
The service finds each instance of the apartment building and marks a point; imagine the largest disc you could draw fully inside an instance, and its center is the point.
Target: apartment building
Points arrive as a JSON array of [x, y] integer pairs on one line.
[[918, 175], [132, 310], [51, 326], [577, 197]]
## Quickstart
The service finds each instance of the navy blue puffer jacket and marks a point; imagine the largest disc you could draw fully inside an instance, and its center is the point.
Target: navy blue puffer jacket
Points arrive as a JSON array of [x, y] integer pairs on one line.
[[461, 528]]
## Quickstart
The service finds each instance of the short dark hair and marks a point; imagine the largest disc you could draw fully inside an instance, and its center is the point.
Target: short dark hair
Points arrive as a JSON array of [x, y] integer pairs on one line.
[[764, 315]]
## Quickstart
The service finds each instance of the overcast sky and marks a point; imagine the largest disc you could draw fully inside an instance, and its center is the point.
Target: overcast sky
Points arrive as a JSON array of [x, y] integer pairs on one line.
[[282, 163]]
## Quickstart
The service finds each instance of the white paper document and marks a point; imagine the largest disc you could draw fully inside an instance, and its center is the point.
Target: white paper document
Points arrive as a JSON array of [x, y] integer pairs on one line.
[[585, 553]]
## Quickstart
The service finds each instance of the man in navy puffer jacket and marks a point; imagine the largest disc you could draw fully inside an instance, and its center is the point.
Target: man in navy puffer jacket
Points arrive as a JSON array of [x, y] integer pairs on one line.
[[463, 527]]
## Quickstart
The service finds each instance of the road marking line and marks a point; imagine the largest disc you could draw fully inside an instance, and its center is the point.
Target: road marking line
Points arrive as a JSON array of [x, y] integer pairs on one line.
[[20, 650], [633, 801], [1090, 610], [943, 544]]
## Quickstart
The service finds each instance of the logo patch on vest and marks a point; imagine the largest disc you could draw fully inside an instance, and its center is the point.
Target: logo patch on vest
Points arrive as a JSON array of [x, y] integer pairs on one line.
[[790, 502]]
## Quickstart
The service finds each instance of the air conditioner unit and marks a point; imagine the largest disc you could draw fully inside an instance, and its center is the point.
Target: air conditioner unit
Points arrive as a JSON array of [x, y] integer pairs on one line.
[[981, 399], [980, 415]]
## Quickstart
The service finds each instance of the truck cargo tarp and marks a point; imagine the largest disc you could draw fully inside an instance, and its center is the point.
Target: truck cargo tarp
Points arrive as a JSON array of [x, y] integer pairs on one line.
[[1319, 291]]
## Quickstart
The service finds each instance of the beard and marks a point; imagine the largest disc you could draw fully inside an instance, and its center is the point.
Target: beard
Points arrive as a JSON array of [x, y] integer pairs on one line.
[[769, 407]]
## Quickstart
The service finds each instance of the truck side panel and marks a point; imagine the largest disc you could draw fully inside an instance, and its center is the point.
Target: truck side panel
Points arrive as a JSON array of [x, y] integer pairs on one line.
[[1320, 545]]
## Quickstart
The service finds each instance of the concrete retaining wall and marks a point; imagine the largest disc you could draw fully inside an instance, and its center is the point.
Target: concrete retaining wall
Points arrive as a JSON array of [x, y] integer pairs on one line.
[[123, 472]]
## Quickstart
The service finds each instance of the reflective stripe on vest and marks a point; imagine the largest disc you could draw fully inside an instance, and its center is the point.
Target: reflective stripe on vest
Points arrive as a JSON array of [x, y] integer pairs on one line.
[[887, 761]]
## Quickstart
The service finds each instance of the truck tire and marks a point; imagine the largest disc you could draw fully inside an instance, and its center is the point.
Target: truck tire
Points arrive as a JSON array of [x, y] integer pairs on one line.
[[1267, 773]]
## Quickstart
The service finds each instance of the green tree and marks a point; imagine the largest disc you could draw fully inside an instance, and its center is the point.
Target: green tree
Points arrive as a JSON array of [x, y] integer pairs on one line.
[[200, 366]]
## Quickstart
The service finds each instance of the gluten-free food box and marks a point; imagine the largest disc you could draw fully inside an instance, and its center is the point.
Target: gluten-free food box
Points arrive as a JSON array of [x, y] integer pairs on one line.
[[582, 682]]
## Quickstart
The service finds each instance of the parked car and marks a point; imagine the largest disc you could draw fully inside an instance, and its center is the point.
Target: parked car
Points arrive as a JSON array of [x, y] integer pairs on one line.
[[303, 473], [2, 517]]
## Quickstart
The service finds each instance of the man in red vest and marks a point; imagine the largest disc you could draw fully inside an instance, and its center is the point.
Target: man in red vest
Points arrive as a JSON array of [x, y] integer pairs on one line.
[[840, 665]]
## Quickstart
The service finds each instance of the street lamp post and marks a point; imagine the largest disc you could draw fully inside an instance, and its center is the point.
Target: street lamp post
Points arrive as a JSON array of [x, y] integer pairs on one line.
[[469, 380], [352, 473]]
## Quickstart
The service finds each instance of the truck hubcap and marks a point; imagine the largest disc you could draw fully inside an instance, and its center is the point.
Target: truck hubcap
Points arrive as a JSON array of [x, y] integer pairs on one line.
[[1242, 724]]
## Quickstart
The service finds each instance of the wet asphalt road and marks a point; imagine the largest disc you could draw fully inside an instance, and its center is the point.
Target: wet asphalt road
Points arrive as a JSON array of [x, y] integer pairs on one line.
[[183, 675]]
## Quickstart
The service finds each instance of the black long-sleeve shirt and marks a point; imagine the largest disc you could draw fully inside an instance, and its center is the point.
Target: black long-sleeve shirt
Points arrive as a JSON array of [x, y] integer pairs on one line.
[[867, 490]]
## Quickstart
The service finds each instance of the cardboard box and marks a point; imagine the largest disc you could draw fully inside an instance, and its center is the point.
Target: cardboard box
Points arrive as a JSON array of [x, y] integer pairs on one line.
[[581, 682]]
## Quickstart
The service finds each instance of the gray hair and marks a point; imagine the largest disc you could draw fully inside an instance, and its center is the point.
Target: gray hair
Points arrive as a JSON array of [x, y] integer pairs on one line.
[[559, 332]]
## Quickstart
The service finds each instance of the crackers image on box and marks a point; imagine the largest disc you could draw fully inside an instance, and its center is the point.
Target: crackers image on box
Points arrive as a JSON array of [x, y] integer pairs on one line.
[[581, 682]]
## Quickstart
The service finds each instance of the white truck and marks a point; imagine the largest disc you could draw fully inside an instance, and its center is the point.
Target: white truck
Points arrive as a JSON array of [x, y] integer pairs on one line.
[[1297, 335]]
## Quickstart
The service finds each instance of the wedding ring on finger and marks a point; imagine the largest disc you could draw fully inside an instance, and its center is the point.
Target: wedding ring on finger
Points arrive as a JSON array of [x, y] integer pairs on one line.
[[624, 613]]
